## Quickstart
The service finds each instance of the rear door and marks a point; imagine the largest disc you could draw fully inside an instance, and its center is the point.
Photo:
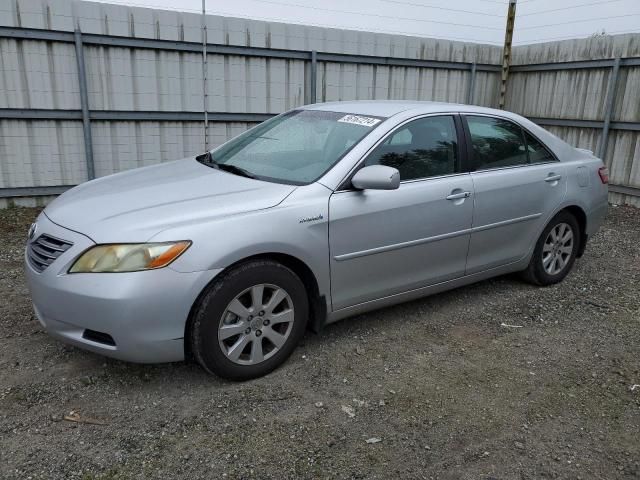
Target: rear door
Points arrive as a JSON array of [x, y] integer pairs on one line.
[[517, 184], [384, 242]]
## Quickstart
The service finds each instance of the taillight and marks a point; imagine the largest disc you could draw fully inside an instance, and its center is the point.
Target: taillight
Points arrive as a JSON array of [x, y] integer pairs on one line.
[[603, 173]]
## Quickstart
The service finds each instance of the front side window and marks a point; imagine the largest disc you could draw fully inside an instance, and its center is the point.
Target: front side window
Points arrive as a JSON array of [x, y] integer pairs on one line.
[[496, 143], [423, 148], [297, 148]]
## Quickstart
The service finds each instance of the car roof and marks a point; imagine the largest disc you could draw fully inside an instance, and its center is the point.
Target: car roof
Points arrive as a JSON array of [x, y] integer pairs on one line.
[[388, 108]]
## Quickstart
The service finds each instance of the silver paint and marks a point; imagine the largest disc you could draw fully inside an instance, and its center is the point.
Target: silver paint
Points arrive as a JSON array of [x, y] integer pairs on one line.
[[365, 248]]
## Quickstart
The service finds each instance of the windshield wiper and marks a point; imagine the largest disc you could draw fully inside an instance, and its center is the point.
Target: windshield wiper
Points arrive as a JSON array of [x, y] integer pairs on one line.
[[207, 159], [233, 169]]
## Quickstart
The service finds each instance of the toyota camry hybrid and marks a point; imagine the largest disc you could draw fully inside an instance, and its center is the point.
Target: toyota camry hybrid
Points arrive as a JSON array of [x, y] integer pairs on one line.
[[317, 214]]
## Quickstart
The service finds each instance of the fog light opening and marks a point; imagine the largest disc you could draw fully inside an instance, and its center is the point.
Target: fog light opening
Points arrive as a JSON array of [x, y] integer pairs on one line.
[[99, 337]]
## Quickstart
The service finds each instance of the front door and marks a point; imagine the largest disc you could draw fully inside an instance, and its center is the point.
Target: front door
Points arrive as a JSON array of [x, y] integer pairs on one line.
[[388, 242]]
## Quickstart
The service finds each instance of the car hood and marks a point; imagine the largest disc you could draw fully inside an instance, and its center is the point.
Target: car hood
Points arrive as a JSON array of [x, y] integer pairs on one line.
[[133, 206]]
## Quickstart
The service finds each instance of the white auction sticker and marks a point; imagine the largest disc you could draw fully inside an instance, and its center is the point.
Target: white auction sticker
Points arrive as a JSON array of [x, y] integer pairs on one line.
[[358, 120]]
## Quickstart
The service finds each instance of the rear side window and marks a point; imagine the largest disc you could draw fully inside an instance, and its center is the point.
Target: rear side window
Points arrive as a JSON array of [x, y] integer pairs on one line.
[[496, 143], [423, 148], [537, 152]]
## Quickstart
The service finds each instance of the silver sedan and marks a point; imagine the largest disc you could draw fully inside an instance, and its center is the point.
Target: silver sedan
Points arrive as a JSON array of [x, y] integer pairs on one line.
[[315, 215]]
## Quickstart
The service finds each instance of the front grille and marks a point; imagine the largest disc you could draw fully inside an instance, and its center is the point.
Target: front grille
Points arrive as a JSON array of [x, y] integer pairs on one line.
[[44, 250]]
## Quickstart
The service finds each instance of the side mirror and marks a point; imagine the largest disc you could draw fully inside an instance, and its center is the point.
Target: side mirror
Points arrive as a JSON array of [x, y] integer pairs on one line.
[[376, 177]]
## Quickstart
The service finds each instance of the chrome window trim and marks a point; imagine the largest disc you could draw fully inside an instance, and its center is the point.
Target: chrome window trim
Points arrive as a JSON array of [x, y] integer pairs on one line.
[[435, 177], [510, 167], [390, 133]]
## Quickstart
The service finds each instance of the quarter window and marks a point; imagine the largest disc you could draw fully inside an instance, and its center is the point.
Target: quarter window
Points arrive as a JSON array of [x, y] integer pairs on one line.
[[423, 148], [537, 152], [496, 143]]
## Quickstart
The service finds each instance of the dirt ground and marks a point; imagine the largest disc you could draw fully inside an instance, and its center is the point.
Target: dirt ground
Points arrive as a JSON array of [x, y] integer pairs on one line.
[[448, 392]]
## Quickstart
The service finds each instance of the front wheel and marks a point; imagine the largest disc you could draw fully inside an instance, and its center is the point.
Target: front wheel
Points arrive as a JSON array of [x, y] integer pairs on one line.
[[555, 251], [250, 320]]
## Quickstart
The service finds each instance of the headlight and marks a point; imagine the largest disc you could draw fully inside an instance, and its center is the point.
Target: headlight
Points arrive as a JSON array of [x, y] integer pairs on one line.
[[130, 257]]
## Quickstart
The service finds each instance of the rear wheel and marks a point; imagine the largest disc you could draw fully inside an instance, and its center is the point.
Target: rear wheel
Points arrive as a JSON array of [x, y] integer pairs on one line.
[[555, 251], [250, 320]]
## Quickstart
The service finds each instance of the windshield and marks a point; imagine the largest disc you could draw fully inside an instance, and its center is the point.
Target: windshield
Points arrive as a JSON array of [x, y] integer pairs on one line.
[[296, 148]]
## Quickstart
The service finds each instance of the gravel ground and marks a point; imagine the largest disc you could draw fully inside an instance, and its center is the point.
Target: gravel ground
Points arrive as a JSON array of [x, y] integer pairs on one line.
[[435, 388]]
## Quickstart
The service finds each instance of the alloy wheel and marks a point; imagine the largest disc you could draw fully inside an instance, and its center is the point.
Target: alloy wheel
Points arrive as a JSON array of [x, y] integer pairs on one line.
[[557, 249], [256, 324]]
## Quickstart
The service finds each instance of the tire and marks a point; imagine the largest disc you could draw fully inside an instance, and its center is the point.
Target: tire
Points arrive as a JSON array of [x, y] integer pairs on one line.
[[249, 321], [538, 271]]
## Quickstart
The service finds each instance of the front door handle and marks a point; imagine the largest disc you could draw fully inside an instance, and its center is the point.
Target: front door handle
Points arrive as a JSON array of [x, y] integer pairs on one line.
[[552, 178], [458, 196]]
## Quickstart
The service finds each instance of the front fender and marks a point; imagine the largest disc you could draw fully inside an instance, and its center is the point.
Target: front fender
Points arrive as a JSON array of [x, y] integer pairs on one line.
[[298, 227]]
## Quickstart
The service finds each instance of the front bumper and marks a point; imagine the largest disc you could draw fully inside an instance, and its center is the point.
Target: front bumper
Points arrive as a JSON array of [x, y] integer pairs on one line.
[[144, 312]]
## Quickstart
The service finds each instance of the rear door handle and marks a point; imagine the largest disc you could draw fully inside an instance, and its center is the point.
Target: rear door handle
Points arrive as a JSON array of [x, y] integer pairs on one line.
[[458, 196], [553, 178]]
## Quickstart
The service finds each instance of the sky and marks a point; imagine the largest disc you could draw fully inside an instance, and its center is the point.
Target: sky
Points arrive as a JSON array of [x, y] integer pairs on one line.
[[481, 21]]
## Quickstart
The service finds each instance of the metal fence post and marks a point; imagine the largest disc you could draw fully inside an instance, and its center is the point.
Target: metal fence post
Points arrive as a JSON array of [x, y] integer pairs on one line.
[[205, 74], [609, 106], [472, 84], [84, 102], [314, 76]]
